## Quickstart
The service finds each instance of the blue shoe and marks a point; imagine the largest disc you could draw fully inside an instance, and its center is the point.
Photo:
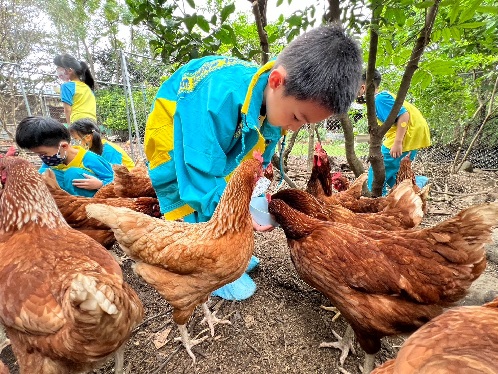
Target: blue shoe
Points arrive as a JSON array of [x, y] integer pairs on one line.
[[240, 289], [252, 264], [421, 180]]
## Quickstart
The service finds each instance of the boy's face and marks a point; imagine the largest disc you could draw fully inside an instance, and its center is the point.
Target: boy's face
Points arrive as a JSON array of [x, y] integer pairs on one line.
[[288, 112], [51, 151]]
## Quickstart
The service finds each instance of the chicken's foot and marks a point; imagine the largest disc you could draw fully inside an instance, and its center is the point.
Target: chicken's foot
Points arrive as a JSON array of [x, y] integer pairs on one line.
[[345, 344], [119, 360], [332, 309], [211, 319], [188, 343], [368, 364]]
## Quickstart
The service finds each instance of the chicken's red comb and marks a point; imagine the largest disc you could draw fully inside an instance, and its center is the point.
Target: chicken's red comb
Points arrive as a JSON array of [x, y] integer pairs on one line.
[[336, 175], [257, 155], [318, 146], [11, 152]]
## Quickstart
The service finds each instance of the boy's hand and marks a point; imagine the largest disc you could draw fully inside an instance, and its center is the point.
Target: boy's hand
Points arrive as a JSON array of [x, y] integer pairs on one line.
[[89, 183], [396, 150], [258, 227]]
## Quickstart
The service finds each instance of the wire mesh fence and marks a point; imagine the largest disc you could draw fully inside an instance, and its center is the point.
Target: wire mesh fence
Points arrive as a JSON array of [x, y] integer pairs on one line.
[[124, 102]]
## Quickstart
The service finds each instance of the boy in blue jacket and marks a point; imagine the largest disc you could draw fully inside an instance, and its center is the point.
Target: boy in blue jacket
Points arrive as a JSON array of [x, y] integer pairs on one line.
[[78, 171], [215, 111]]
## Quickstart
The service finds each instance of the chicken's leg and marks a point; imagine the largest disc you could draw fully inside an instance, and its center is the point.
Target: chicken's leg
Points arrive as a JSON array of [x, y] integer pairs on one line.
[[369, 363], [211, 319], [188, 343], [345, 344]]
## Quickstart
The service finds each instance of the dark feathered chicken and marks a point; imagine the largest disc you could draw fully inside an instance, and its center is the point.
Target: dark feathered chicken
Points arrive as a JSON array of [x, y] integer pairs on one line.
[[388, 282]]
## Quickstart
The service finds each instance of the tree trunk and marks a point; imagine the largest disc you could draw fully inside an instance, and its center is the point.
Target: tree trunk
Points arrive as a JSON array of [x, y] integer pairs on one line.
[[355, 164], [378, 132], [259, 11]]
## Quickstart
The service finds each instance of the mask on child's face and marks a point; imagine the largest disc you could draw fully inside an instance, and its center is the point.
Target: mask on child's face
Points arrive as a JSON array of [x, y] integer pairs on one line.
[[54, 160], [62, 74]]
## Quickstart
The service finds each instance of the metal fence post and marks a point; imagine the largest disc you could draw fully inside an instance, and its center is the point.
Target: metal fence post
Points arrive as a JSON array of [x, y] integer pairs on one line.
[[26, 102], [126, 82]]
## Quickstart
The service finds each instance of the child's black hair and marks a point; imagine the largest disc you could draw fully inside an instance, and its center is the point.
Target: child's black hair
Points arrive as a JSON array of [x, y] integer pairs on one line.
[[80, 68], [376, 79], [86, 126], [323, 65], [35, 132]]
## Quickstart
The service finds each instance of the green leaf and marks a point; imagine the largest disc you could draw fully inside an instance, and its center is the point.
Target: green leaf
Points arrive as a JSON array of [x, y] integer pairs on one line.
[[436, 35], [440, 67], [400, 16], [203, 23], [487, 9], [279, 2], [469, 11], [446, 35], [214, 18], [455, 10], [455, 33], [424, 4], [226, 11], [191, 3], [190, 22], [295, 20], [472, 25]]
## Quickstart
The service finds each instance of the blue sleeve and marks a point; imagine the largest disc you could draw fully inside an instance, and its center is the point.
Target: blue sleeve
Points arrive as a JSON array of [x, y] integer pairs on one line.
[[67, 92], [99, 166], [205, 123], [112, 155], [42, 168], [384, 102]]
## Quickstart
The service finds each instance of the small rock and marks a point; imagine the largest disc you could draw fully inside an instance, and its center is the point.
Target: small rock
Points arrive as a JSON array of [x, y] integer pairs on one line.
[[467, 166]]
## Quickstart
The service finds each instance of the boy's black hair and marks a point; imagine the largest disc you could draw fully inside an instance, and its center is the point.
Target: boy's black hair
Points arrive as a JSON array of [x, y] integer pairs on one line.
[[80, 68], [86, 126], [323, 65], [35, 132], [376, 79]]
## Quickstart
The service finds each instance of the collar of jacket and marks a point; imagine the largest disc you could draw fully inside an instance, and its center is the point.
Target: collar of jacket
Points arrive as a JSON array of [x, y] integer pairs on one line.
[[252, 138]]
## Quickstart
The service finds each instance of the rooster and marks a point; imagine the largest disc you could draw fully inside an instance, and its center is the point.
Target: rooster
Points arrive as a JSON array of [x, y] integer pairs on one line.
[[404, 209], [387, 282], [462, 340], [65, 306], [339, 182], [73, 209], [186, 262]]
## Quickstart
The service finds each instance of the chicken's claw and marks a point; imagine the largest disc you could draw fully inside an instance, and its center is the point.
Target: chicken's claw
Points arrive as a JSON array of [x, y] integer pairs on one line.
[[187, 342], [211, 319], [344, 344]]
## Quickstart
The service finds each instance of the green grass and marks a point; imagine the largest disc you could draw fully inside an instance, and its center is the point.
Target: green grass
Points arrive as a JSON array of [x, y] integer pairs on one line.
[[333, 148]]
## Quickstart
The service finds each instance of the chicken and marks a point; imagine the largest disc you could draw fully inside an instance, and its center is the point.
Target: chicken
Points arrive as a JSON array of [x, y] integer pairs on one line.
[[404, 209], [65, 306], [320, 182], [132, 183], [185, 262], [406, 172], [387, 282], [340, 182], [128, 183], [462, 340], [73, 209]]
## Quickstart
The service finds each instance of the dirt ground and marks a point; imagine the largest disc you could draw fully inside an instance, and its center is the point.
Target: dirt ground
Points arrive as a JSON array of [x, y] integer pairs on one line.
[[279, 329]]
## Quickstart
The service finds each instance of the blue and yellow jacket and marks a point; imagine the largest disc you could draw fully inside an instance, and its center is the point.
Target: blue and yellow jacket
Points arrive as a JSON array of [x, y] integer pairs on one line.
[[205, 120], [81, 98], [417, 134], [116, 155], [85, 162]]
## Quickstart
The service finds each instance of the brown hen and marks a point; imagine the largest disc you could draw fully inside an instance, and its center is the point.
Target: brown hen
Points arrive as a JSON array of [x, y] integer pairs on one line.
[[128, 183], [403, 210], [321, 181], [387, 282], [186, 262], [65, 306], [462, 340], [74, 212]]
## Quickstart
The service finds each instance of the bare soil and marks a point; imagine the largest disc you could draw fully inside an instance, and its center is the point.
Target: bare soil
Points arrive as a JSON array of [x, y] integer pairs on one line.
[[279, 329]]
